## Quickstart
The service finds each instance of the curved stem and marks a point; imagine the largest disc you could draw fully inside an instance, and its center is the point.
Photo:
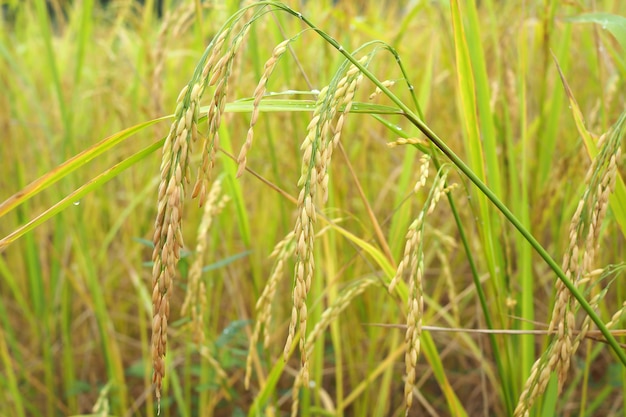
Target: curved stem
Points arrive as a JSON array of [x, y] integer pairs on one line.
[[419, 123]]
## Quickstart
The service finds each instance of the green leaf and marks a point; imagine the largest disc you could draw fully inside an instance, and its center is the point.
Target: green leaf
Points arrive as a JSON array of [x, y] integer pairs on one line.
[[226, 261], [72, 165], [286, 105], [613, 23], [53, 176]]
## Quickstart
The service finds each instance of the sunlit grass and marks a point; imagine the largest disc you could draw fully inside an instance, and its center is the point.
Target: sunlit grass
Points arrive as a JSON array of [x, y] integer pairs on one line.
[[520, 93]]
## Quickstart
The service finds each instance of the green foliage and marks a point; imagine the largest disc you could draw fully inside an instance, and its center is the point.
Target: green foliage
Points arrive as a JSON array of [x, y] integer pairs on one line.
[[476, 88]]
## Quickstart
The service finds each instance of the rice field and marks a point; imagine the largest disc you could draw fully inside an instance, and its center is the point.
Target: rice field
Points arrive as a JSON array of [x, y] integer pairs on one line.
[[330, 208]]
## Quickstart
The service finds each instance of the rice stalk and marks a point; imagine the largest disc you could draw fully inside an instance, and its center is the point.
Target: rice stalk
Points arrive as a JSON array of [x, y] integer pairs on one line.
[[174, 22], [213, 70], [168, 239], [195, 298], [377, 91], [282, 251], [216, 72], [259, 91], [328, 316], [158, 61], [577, 265], [317, 147], [407, 141], [447, 276], [412, 264], [616, 318], [183, 18]]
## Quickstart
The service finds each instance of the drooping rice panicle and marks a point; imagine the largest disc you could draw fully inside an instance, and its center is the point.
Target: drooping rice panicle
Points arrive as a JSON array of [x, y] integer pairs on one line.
[[192, 305], [168, 238], [259, 91], [175, 175], [412, 264], [322, 136], [282, 251], [328, 316], [577, 265]]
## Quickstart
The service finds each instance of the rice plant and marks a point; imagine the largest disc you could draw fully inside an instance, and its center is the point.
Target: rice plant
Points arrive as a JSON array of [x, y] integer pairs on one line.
[[382, 191]]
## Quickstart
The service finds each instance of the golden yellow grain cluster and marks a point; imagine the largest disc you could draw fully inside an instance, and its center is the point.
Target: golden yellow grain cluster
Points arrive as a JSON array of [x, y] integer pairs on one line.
[[213, 71], [578, 265], [281, 253], [323, 134], [328, 316], [259, 92], [412, 265], [168, 239]]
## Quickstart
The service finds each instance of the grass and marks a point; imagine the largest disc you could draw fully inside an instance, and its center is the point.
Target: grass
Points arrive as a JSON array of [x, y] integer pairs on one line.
[[437, 166]]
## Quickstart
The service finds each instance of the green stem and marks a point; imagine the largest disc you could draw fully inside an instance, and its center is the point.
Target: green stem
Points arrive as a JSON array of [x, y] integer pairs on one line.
[[506, 391], [416, 121]]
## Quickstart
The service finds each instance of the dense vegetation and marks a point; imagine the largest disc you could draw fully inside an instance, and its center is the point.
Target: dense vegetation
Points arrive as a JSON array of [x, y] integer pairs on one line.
[[397, 208]]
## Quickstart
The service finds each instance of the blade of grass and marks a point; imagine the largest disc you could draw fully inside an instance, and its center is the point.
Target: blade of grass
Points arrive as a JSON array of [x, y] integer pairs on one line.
[[85, 8], [472, 102], [550, 122], [383, 402], [51, 65], [175, 383], [291, 105], [267, 391], [385, 364], [329, 249], [10, 383], [611, 22], [522, 203], [71, 165], [431, 355], [109, 345], [482, 99], [12, 281], [68, 354], [76, 195], [39, 302]]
